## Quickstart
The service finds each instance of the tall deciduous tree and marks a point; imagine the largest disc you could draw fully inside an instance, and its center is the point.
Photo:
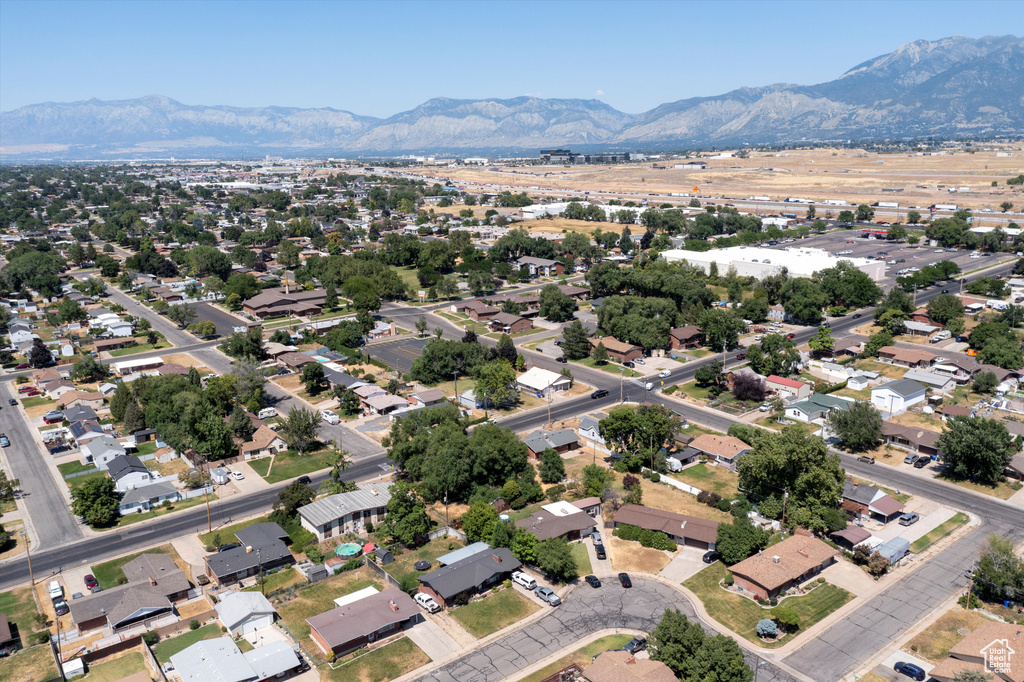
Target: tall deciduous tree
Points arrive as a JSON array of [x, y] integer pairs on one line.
[[299, 428], [555, 558], [858, 428], [976, 448], [721, 329], [96, 501]]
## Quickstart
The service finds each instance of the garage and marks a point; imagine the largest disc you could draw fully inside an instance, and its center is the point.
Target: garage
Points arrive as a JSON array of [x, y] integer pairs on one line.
[[245, 612]]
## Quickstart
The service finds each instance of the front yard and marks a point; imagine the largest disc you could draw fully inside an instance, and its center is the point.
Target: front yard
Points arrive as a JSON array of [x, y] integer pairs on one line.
[[712, 478], [109, 573], [741, 615], [939, 532], [610, 367], [135, 517], [290, 464], [1002, 490], [582, 557], [493, 612], [380, 665], [934, 642]]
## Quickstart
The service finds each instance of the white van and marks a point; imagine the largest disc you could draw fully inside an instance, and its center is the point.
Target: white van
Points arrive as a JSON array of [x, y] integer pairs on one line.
[[673, 464], [266, 413], [524, 580]]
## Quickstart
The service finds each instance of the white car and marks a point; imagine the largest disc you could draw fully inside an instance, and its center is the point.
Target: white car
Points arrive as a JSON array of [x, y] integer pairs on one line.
[[56, 591], [524, 580], [427, 602], [330, 417], [665, 373], [237, 475]]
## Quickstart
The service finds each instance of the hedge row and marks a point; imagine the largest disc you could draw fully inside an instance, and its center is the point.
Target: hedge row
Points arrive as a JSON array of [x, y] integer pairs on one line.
[[648, 538]]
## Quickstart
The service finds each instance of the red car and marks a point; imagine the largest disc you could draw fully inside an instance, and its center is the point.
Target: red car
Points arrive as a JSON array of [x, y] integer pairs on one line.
[[26, 389], [90, 581], [790, 336], [23, 365]]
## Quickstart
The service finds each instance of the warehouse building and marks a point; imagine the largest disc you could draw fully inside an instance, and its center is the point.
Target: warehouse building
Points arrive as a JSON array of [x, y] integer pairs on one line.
[[753, 261]]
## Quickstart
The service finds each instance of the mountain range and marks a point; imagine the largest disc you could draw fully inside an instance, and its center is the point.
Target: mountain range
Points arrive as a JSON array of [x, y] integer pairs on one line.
[[951, 87]]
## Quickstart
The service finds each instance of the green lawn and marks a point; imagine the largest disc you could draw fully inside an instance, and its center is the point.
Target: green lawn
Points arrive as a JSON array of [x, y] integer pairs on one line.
[[579, 553], [408, 275], [29, 665], [75, 467], [129, 519], [290, 464], [319, 597], [164, 649], [402, 565], [79, 480], [712, 478], [20, 608], [610, 367], [380, 665], [140, 348], [940, 531], [582, 656], [36, 401], [226, 534], [147, 448], [494, 612], [108, 573], [117, 669], [740, 614]]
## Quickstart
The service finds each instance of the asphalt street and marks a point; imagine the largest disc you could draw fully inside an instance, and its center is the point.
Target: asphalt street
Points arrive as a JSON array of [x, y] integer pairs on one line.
[[583, 611]]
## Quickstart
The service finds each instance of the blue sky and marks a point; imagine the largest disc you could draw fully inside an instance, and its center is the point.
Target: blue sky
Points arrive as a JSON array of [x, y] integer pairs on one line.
[[381, 58]]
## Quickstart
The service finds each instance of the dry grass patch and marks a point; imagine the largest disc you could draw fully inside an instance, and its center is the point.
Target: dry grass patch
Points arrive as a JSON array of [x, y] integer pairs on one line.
[[632, 556], [29, 665], [934, 642], [185, 360], [885, 369], [190, 611], [567, 225], [918, 420]]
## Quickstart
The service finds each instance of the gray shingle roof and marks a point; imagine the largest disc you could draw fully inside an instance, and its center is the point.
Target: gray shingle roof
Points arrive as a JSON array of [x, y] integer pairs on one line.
[[540, 440], [470, 573], [148, 492], [861, 493], [902, 387], [333, 507], [122, 465]]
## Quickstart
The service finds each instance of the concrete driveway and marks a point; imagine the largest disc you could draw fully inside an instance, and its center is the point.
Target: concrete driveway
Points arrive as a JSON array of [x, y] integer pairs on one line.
[[687, 562], [432, 638]]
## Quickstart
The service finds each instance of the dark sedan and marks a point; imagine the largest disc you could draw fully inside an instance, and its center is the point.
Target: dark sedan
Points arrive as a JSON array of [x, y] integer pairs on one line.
[[593, 581], [625, 581]]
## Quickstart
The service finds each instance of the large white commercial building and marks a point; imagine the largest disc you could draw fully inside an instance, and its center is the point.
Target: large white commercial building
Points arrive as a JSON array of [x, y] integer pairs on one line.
[[753, 261]]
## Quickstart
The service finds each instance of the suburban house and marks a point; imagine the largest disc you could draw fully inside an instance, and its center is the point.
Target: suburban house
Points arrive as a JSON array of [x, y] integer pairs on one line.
[[262, 547], [77, 398], [294, 361], [154, 584], [85, 431], [457, 582], [787, 388], [621, 666], [542, 382], [9, 642], [100, 345], [244, 612], [617, 350], [817, 406], [381, 330], [847, 346], [275, 302], [896, 397], [540, 267], [355, 624], [690, 336], [100, 451], [478, 310], [850, 537], [427, 398], [147, 496], [559, 520], [264, 443], [1015, 469], [947, 411], [220, 660], [866, 501], [906, 357], [960, 369], [920, 328], [58, 387], [590, 429], [936, 382], [508, 323], [723, 449], [787, 564], [129, 367], [128, 472], [991, 641], [913, 438], [685, 530], [385, 403], [78, 413], [346, 512], [562, 440]]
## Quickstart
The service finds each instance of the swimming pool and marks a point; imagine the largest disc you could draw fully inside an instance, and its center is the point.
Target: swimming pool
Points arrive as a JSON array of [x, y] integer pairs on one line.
[[348, 549]]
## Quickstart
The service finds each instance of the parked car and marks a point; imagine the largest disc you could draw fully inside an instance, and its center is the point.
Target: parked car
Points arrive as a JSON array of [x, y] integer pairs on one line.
[[562, 359], [56, 591], [237, 475], [867, 459], [599, 393], [12, 402], [639, 361], [26, 389], [90, 581], [596, 537], [23, 365], [548, 595], [53, 417], [625, 581], [330, 417], [524, 580], [593, 581], [599, 550], [61, 607], [912, 671], [427, 602], [766, 407], [909, 519], [711, 557], [628, 364], [636, 644], [911, 458], [922, 462], [4, 441]]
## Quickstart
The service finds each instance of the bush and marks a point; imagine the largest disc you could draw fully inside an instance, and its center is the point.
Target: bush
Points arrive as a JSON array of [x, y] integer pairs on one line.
[[724, 505], [506, 583], [729, 581], [193, 624], [974, 602], [629, 481], [709, 498], [44, 637], [369, 526], [648, 538], [655, 476], [787, 618], [766, 628], [314, 553], [151, 638], [555, 492]]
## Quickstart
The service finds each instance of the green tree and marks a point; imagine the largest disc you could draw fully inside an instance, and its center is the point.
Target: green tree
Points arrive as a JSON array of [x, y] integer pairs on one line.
[[496, 382], [88, 369], [944, 308], [524, 546], [96, 502], [1002, 351], [421, 326], [71, 311], [639, 432], [119, 402], [330, 297], [213, 438], [721, 329], [555, 305], [864, 213], [288, 501], [299, 429], [288, 257], [556, 560], [740, 539], [182, 314], [803, 300], [406, 520], [595, 480], [848, 286], [575, 344], [877, 342], [976, 448], [76, 253], [858, 428], [1000, 572], [203, 329], [133, 420], [245, 345], [313, 376], [479, 521], [776, 354], [985, 382], [240, 424], [600, 354], [822, 340], [719, 658], [675, 641], [913, 217], [552, 467]]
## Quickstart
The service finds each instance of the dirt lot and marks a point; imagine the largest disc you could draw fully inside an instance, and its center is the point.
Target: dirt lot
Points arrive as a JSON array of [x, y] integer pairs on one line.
[[632, 556], [185, 360]]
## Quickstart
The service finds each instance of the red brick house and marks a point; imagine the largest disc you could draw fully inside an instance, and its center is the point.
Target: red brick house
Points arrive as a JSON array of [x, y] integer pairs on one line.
[[354, 625], [781, 566], [690, 336], [618, 350], [509, 324]]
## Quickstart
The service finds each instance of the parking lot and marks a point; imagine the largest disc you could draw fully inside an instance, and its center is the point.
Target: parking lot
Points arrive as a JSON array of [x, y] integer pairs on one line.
[[914, 256], [397, 353], [222, 319]]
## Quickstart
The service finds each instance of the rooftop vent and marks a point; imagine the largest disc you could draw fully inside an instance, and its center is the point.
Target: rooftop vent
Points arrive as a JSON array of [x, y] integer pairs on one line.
[[777, 559]]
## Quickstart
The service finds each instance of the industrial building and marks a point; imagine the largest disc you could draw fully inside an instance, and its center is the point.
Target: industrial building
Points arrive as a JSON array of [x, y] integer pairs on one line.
[[759, 262]]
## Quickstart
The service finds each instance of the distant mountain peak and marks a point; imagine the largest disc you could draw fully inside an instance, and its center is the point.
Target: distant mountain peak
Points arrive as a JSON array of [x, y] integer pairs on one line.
[[952, 86]]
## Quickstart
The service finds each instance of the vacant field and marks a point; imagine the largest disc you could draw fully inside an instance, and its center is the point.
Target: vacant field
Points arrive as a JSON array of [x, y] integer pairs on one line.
[[493, 612], [708, 477], [567, 225], [386, 663], [582, 656], [934, 642], [286, 577]]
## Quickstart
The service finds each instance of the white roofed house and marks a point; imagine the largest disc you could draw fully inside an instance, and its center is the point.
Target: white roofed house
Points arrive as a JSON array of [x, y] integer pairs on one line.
[[542, 382], [244, 612]]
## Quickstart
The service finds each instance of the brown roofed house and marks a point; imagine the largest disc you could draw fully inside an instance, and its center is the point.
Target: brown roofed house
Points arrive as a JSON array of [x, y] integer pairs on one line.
[[782, 566], [264, 442], [725, 449], [686, 530], [618, 350], [622, 666], [994, 648], [690, 336], [83, 398], [354, 625], [906, 357]]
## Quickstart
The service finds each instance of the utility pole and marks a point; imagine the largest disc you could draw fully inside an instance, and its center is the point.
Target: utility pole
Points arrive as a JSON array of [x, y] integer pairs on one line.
[[207, 484], [31, 577]]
